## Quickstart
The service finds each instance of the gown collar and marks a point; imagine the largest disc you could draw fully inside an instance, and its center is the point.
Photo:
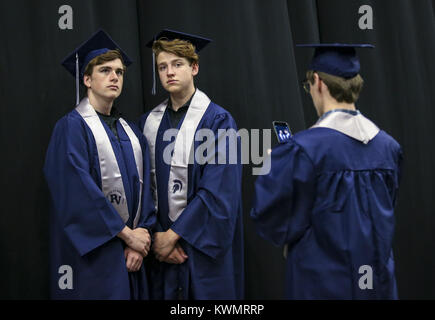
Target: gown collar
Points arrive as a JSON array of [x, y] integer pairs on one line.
[[349, 122]]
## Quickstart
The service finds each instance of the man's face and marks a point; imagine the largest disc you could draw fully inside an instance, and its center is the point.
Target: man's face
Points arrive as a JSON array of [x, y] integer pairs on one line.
[[176, 75], [106, 79]]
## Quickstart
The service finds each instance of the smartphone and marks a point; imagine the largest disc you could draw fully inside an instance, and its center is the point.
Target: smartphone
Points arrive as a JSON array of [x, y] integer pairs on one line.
[[282, 131]]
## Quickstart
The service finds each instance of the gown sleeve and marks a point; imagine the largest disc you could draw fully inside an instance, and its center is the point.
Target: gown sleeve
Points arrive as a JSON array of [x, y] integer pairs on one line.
[[84, 213], [208, 223], [284, 197], [399, 164], [148, 217]]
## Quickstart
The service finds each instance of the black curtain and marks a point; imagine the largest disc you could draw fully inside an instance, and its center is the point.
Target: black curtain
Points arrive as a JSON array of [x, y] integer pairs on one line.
[[252, 69]]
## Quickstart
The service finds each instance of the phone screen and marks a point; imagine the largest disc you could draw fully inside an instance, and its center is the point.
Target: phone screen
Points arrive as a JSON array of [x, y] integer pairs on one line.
[[282, 131]]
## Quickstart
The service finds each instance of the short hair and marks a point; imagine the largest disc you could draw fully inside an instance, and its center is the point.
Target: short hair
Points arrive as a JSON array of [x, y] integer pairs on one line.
[[341, 89], [102, 58], [181, 48]]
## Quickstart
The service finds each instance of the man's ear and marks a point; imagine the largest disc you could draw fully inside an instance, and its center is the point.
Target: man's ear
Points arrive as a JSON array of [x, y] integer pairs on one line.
[[195, 68], [87, 80], [317, 82]]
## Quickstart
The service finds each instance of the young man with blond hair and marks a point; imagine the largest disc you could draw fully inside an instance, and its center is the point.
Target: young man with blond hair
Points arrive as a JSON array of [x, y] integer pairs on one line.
[[198, 243]]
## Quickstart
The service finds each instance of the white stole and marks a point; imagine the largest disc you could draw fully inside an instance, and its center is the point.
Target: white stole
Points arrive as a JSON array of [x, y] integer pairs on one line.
[[111, 180], [183, 149], [352, 124]]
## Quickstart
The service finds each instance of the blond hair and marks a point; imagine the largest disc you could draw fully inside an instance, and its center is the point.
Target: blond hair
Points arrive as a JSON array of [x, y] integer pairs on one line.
[[181, 48]]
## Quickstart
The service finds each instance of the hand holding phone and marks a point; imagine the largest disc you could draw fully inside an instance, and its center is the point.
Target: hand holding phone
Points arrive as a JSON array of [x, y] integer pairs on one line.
[[282, 131]]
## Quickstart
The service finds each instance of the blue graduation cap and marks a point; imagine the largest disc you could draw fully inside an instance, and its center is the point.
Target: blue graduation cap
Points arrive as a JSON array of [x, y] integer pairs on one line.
[[338, 59], [98, 44], [166, 34]]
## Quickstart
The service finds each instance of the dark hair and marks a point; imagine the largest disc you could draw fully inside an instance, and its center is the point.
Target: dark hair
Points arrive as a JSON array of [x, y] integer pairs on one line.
[[102, 58]]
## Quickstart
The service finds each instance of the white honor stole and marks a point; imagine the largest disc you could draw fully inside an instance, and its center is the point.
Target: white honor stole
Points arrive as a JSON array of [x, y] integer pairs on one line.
[[183, 148], [350, 123], [111, 180]]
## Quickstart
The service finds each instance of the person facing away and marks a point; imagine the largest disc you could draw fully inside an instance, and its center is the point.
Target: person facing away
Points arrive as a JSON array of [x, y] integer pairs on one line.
[[330, 195], [198, 241], [97, 169]]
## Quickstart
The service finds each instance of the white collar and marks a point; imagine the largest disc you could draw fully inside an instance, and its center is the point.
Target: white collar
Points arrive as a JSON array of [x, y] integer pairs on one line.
[[349, 122]]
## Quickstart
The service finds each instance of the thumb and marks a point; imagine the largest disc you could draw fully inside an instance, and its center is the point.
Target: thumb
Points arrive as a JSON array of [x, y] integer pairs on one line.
[[181, 251]]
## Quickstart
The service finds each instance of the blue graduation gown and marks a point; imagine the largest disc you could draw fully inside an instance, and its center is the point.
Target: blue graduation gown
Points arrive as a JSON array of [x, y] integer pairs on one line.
[[210, 226], [330, 198], [84, 225]]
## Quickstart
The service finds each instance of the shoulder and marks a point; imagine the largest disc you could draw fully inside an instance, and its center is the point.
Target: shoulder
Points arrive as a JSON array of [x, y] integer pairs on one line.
[[72, 121], [290, 147], [159, 108], [322, 146], [331, 150], [314, 138], [213, 109], [133, 126], [291, 154], [386, 138], [72, 131], [388, 146]]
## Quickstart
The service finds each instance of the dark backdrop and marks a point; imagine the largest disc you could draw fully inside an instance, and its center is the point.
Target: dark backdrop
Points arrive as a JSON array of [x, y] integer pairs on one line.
[[253, 70]]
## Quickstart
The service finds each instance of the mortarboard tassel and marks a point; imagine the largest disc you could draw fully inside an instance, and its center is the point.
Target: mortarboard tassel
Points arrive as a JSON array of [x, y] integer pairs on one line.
[[77, 80], [153, 90]]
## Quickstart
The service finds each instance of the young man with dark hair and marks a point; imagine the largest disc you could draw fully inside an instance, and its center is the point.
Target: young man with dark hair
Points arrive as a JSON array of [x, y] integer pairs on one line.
[[199, 238], [97, 170], [330, 195]]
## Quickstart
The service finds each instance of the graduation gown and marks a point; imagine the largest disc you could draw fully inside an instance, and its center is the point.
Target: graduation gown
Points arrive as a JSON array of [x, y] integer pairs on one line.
[[210, 226], [329, 199], [84, 224]]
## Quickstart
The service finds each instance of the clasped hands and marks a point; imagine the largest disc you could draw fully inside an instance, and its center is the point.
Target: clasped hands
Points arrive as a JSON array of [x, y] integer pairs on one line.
[[167, 249], [138, 243]]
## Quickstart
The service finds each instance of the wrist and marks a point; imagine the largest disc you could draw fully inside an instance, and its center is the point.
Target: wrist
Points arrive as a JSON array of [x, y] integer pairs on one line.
[[125, 234], [172, 236]]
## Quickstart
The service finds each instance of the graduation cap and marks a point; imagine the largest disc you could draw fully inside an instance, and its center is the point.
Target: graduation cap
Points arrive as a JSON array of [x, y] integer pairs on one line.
[[198, 42], [338, 59], [98, 44]]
